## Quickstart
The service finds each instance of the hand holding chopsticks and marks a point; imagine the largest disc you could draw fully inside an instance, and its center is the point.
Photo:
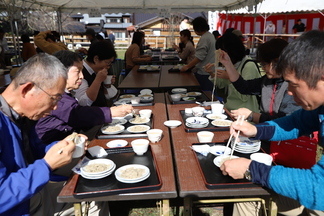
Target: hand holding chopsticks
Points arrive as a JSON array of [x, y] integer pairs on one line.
[[239, 120]]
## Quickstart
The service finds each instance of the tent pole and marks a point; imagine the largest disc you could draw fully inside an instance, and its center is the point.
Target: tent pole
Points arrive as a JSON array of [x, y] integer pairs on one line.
[[18, 59], [254, 25]]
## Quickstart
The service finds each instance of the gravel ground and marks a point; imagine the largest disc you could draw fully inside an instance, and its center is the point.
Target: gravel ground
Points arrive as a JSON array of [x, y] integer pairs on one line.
[[149, 208]]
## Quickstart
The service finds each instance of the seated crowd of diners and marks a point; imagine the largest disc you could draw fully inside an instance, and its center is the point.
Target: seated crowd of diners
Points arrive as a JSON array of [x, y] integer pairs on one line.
[[57, 92]]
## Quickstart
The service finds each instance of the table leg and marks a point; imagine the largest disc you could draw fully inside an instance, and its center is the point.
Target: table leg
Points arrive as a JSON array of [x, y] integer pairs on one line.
[[187, 206], [165, 207], [77, 209]]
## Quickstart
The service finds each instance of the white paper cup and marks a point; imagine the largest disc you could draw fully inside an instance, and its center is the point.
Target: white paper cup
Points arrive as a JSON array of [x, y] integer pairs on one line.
[[176, 97], [107, 81], [79, 148], [145, 113], [154, 135], [140, 146], [135, 100], [188, 111], [217, 108], [205, 136], [262, 158]]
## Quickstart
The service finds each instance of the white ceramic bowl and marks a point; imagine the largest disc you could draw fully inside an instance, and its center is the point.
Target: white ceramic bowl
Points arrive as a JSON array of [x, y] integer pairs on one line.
[[198, 111], [262, 158], [176, 97], [219, 160], [205, 136], [140, 146], [145, 113], [154, 135]]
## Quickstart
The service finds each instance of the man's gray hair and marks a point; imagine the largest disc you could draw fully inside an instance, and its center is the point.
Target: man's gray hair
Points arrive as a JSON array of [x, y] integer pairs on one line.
[[43, 69]]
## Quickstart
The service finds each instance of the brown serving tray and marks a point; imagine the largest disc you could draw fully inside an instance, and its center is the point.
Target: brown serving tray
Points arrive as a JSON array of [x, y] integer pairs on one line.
[[151, 103], [109, 185], [212, 175], [209, 127], [125, 133], [203, 97], [148, 71]]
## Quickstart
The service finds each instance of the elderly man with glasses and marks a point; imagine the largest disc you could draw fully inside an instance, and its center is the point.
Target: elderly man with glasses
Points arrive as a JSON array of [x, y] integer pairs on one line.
[[25, 163]]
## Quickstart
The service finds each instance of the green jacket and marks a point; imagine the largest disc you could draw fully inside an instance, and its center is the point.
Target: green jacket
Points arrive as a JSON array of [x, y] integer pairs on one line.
[[236, 100]]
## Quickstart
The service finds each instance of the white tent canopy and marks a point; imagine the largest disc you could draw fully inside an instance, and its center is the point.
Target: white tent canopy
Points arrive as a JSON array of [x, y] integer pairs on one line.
[[284, 6], [131, 6]]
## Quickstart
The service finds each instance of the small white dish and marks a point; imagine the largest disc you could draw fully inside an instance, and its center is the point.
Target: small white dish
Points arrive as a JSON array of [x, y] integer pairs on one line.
[[214, 116], [142, 120], [117, 143], [144, 174], [222, 123], [97, 151], [193, 94], [123, 101], [127, 96], [179, 90], [112, 129], [146, 99], [85, 169], [143, 67], [128, 116], [138, 128], [197, 120], [172, 123], [153, 68], [220, 150], [145, 95], [189, 98], [116, 121], [146, 91]]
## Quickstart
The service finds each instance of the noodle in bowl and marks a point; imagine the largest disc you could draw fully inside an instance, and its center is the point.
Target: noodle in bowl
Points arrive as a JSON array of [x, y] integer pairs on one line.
[[113, 129], [138, 128]]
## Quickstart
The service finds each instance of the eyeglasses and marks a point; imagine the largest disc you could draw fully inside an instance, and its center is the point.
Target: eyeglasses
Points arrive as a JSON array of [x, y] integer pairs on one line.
[[109, 63], [55, 98]]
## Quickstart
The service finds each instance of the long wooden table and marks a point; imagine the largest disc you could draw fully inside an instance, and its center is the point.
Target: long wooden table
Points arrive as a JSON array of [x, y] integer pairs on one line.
[[177, 79], [162, 152], [140, 80], [190, 180], [162, 80]]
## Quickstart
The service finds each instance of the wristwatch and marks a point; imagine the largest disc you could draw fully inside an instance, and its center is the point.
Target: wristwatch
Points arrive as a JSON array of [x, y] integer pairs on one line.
[[247, 175], [250, 117]]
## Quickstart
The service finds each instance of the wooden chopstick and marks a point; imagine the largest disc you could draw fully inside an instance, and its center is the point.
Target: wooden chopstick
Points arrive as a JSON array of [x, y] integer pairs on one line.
[[238, 133], [229, 140], [217, 52]]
